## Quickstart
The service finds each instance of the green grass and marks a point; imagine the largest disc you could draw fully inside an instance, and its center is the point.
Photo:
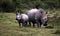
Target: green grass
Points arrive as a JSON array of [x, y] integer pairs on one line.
[[10, 27]]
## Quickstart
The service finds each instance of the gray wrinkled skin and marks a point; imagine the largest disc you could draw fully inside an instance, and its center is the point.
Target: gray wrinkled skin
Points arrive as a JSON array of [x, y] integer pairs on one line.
[[37, 16], [44, 19], [41, 16], [22, 18], [31, 14]]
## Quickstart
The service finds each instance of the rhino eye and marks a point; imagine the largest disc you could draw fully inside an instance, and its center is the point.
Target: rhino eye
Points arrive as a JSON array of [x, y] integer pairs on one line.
[[41, 11]]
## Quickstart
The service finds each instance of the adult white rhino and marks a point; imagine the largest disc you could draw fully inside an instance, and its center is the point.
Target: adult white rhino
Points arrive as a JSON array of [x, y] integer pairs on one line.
[[37, 16]]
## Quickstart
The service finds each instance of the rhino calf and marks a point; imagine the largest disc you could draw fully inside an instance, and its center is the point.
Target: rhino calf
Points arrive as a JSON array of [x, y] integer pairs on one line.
[[22, 18]]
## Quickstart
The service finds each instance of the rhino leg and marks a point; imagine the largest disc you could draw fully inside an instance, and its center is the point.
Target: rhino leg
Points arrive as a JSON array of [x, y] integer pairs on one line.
[[29, 23], [19, 24], [23, 23], [40, 23], [37, 24], [33, 24]]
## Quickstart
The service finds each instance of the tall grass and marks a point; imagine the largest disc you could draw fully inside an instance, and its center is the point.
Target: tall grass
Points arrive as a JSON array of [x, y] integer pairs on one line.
[[10, 27]]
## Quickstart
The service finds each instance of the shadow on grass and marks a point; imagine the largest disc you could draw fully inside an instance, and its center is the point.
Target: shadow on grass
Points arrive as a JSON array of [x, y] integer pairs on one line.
[[57, 32], [49, 27]]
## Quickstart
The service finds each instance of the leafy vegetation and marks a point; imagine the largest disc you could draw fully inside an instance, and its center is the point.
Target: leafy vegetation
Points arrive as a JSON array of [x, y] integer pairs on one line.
[[12, 5]]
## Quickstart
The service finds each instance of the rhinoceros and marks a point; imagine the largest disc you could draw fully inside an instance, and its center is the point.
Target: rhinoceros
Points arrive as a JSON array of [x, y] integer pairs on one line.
[[37, 16], [22, 18]]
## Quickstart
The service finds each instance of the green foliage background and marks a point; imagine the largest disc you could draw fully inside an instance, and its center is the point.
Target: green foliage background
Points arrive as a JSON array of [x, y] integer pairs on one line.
[[10, 27], [12, 5]]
